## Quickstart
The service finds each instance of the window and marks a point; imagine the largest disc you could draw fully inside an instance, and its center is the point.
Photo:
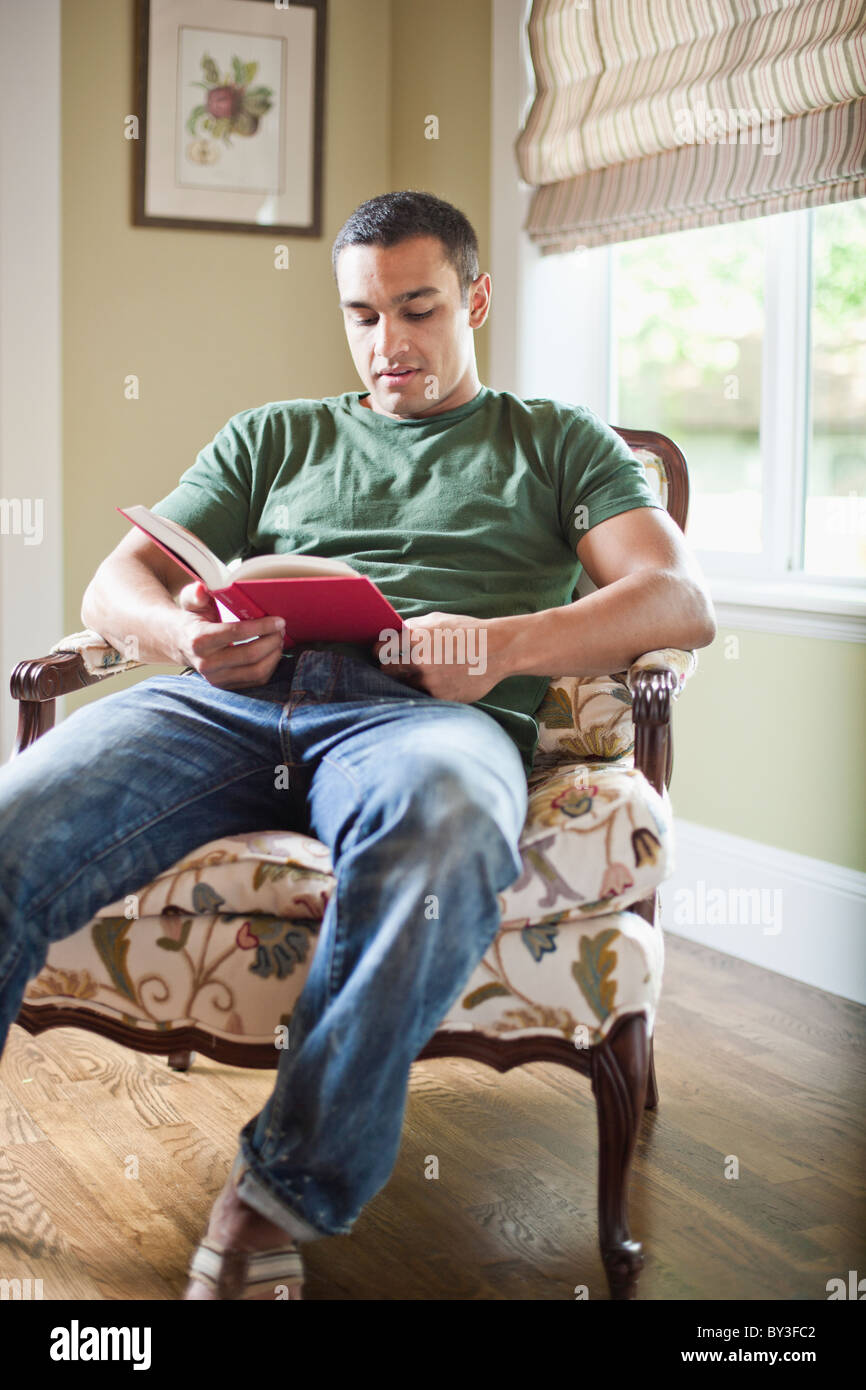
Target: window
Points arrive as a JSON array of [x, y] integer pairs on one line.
[[746, 343], [835, 512], [689, 316]]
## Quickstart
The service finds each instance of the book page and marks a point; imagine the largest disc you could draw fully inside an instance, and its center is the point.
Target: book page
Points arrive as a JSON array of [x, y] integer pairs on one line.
[[288, 567], [181, 544]]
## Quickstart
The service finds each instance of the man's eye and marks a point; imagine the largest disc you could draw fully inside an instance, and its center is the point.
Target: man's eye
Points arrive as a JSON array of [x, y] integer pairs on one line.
[[425, 315]]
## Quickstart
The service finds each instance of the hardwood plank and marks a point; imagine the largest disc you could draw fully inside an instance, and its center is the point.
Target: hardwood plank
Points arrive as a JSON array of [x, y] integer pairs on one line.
[[17, 1125], [100, 1246], [748, 1063], [32, 1247]]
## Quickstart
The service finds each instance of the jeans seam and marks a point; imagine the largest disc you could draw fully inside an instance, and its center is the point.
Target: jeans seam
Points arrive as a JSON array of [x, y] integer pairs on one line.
[[298, 696], [350, 776], [336, 959], [12, 959], [154, 820]]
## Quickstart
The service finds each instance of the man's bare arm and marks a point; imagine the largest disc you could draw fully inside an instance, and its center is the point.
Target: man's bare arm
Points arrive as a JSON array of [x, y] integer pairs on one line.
[[650, 594], [132, 594], [131, 600]]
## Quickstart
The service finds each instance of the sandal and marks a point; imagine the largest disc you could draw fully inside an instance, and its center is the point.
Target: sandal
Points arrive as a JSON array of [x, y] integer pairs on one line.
[[247, 1273]]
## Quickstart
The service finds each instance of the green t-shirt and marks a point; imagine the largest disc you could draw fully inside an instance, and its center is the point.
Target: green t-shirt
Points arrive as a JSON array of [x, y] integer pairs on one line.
[[477, 510]]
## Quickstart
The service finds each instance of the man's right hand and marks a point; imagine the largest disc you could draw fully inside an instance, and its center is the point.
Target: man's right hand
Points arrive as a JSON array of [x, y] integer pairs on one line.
[[206, 644]]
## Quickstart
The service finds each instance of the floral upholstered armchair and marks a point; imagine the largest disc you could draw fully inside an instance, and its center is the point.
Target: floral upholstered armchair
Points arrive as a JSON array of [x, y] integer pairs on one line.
[[213, 953]]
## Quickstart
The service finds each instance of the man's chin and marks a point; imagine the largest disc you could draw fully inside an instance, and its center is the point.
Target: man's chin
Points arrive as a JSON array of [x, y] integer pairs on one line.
[[397, 401]]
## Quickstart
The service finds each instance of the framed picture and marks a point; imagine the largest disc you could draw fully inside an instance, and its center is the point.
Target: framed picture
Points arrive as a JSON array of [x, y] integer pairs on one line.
[[230, 102]]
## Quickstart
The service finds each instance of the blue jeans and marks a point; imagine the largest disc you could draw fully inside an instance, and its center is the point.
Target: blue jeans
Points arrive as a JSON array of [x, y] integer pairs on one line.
[[421, 803]]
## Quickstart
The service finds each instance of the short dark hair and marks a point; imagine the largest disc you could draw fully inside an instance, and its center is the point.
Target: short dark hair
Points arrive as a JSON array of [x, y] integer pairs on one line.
[[393, 217]]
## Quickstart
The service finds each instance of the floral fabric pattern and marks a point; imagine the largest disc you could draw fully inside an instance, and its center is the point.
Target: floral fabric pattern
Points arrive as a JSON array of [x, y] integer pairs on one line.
[[224, 938]]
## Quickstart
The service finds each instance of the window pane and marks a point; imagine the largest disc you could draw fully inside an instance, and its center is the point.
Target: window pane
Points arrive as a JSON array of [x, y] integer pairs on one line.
[[689, 326], [835, 528]]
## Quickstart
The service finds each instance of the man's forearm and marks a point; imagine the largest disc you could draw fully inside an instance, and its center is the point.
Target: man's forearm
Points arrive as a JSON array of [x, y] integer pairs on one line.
[[606, 630], [134, 611]]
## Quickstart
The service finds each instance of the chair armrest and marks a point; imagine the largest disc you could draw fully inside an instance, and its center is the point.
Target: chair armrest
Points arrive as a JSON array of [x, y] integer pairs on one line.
[[591, 717], [98, 656], [681, 664], [75, 662], [656, 679]]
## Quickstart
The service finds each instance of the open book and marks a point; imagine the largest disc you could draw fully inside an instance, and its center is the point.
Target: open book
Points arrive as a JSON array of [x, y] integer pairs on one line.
[[321, 600]]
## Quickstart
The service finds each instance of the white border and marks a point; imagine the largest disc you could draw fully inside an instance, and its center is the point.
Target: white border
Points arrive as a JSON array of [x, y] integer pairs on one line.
[[31, 576]]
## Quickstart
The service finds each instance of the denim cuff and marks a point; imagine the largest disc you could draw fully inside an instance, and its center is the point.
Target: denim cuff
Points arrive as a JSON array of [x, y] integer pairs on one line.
[[261, 1199]]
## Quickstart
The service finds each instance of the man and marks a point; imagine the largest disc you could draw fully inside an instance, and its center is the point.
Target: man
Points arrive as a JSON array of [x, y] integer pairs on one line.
[[472, 510]]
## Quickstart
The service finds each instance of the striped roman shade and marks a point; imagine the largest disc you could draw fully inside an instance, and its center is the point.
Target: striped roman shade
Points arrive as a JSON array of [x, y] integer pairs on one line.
[[655, 115]]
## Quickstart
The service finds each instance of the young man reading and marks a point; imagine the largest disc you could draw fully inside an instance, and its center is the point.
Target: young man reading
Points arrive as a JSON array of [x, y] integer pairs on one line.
[[472, 510]]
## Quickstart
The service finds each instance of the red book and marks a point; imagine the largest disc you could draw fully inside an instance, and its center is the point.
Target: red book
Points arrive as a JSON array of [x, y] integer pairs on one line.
[[321, 600]]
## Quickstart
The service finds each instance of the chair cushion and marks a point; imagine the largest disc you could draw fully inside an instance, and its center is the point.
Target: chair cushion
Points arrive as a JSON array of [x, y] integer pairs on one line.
[[564, 977], [223, 939], [238, 977], [596, 839]]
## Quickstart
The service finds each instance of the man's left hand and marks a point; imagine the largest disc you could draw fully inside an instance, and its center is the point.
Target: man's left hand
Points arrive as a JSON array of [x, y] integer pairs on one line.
[[450, 655]]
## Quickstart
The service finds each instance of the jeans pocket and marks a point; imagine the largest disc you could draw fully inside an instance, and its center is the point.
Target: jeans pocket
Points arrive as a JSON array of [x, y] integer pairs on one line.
[[361, 678]]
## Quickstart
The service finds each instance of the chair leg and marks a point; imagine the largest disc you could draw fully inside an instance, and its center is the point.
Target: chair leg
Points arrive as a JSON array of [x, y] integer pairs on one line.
[[620, 1068], [181, 1060], [648, 909], [652, 1090]]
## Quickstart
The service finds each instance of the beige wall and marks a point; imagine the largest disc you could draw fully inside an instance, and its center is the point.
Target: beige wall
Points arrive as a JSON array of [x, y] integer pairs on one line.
[[441, 67], [769, 745], [202, 318]]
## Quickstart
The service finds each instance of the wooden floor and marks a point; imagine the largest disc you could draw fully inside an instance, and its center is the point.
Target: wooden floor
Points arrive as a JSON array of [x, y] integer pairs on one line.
[[749, 1064]]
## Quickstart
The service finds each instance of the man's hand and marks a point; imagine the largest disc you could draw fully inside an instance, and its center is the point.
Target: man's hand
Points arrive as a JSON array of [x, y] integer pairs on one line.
[[206, 643], [450, 655]]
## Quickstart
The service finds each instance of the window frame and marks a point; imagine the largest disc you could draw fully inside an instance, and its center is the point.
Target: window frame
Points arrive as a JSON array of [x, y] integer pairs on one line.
[[769, 589], [785, 416], [552, 335]]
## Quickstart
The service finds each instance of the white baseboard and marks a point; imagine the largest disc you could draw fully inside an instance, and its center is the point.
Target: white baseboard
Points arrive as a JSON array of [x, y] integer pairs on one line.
[[802, 917]]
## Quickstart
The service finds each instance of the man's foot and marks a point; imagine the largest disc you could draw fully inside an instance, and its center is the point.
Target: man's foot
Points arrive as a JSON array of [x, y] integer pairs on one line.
[[240, 1232]]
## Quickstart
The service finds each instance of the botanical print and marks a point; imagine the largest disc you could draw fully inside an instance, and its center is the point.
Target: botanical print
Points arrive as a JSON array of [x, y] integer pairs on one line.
[[232, 106], [594, 972], [229, 110]]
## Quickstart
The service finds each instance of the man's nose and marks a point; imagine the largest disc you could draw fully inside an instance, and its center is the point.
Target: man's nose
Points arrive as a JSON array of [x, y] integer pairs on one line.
[[390, 340]]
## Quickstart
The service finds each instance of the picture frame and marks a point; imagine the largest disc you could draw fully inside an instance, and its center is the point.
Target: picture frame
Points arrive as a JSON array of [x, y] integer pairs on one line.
[[230, 104]]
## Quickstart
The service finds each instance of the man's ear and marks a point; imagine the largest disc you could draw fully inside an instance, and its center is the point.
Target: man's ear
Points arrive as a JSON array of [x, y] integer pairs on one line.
[[480, 292]]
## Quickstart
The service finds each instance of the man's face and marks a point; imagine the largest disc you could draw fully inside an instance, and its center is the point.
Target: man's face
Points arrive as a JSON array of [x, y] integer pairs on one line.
[[409, 335]]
